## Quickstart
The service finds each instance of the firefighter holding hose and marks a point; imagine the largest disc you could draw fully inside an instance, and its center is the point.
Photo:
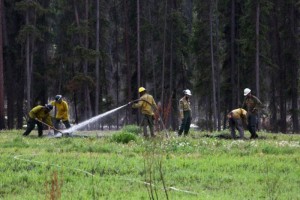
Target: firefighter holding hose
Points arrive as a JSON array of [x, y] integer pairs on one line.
[[37, 114], [147, 105]]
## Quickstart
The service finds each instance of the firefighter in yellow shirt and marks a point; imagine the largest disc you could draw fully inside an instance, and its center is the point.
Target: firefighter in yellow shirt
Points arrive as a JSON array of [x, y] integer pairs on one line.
[[147, 106], [41, 113], [61, 112], [236, 119], [185, 112]]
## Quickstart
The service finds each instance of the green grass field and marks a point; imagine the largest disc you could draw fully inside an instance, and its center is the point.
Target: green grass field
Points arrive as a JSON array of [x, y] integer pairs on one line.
[[200, 166]]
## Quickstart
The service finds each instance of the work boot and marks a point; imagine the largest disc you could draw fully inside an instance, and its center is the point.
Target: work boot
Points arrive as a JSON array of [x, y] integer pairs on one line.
[[254, 136], [241, 138], [68, 134], [179, 133]]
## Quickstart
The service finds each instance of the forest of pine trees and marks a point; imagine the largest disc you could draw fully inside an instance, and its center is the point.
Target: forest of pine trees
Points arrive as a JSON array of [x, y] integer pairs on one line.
[[97, 53]]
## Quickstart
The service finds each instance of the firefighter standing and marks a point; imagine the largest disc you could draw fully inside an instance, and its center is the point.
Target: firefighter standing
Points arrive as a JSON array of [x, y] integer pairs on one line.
[[251, 104], [147, 106], [61, 112], [41, 113], [236, 119], [185, 113]]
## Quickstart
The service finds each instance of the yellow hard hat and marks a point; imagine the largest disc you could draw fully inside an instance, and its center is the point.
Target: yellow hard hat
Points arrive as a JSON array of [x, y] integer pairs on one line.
[[142, 89]]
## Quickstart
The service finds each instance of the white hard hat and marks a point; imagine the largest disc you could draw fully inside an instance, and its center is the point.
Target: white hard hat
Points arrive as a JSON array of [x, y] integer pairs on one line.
[[187, 92], [246, 91]]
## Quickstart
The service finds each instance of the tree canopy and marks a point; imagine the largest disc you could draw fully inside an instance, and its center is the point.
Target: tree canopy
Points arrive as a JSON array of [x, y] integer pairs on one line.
[[98, 53]]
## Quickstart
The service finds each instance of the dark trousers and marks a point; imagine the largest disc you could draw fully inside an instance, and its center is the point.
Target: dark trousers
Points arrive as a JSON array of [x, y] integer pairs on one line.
[[56, 124], [252, 122], [30, 126], [148, 121], [186, 123], [236, 124]]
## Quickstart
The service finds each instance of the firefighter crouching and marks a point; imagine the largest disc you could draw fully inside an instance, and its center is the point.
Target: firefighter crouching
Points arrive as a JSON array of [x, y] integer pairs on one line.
[[237, 118], [41, 113]]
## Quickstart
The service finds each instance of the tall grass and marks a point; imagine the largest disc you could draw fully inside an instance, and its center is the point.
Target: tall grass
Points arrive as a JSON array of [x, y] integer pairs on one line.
[[53, 187], [194, 167]]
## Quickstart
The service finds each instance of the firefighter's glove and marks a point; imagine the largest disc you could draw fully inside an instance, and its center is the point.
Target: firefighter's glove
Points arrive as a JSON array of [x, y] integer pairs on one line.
[[254, 110]]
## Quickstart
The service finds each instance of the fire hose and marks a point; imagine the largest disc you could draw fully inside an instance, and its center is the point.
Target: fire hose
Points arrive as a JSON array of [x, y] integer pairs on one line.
[[134, 101]]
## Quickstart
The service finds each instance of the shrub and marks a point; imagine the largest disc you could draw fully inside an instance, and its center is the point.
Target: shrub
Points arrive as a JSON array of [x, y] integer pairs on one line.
[[123, 137], [131, 129]]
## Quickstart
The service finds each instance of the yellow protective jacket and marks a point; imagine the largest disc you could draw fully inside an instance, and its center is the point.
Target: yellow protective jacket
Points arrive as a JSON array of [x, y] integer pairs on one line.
[[61, 110], [184, 105], [238, 113], [41, 113], [146, 108]]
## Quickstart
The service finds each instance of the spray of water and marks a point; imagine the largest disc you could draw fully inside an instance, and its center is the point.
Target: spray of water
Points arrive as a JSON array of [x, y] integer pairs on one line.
[[93, 119]]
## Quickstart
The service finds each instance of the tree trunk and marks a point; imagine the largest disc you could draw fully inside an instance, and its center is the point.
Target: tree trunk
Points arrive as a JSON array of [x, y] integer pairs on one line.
[[275, 56], [138, 44], [273, 104], [86, 44], [117, 60], [282, 93], [28, 69], [77, 19], [257, 49], [128, 67], [282, 98], [218, 97], [2, 115], [97, 57], [87, 104], [169, 116], [232, 54], [294, 67], [282, 75], [213, 68], [163, 57], [10, 83], [75, 97], [257, 52], [152, 55]]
